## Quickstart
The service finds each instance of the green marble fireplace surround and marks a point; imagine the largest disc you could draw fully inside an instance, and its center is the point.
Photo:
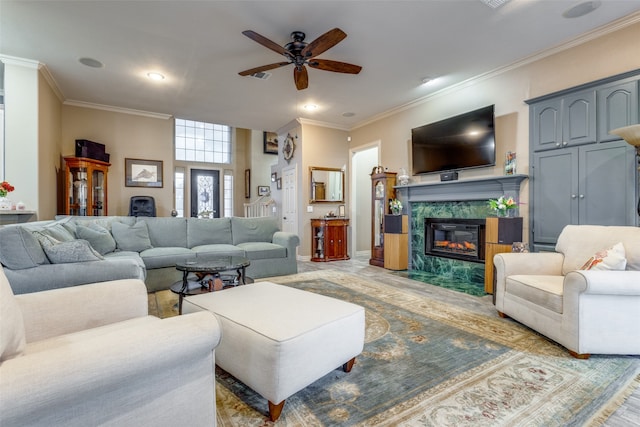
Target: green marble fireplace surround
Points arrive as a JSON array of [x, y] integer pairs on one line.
[[463, 199]]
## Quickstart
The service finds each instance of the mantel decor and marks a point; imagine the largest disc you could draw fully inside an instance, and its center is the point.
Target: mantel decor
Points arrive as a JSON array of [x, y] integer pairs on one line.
[[143, 173]]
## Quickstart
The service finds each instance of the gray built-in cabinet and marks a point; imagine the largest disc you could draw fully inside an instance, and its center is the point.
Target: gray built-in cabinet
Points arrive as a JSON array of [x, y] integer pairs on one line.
[[580, 174]]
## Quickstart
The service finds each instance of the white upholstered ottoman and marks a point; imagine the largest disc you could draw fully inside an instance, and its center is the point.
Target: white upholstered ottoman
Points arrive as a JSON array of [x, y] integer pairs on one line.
[[278, 340]]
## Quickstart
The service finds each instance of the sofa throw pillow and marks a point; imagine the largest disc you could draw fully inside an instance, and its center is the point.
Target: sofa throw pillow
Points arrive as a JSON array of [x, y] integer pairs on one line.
[[12, 335], [608, 259], [97, 236], [19, 249], [73, 251], [58, 231], [131, 237]]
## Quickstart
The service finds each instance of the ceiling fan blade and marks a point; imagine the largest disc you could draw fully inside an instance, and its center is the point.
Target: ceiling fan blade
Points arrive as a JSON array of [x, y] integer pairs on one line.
[[263, 68], [266, 42], [323, 43], [336, 66], [301, 77]]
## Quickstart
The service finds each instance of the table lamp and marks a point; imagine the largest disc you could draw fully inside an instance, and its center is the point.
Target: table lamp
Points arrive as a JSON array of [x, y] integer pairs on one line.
[[631, 134]]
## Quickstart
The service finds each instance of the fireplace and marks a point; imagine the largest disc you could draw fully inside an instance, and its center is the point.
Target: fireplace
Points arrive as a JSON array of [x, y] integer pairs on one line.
[[455, 238]]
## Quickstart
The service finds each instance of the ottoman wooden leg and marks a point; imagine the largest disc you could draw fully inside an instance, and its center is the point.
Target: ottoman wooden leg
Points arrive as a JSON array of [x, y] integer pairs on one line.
[[347, 366], [275, 410]]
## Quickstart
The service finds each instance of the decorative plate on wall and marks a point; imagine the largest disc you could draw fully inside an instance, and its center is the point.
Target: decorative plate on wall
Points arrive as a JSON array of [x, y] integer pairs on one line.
[[288, 147]]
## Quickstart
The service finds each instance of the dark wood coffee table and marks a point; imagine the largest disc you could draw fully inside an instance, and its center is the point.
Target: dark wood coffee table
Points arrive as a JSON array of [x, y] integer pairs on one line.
[[207, 271]]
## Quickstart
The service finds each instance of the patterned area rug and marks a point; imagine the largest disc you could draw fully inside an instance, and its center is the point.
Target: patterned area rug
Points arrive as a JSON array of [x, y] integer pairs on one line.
[[428, 363]]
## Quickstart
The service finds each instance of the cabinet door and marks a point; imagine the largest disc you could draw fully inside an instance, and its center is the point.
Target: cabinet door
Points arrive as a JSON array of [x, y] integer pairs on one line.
[[617, 107], [546, 125], [336, 240], [555, 187], [607, 184], [579, 118]]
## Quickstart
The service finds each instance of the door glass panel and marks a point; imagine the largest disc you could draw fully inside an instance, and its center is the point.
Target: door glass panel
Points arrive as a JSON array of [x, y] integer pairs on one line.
[[205, 193], [98, 193], [205, 200], [78, 191]]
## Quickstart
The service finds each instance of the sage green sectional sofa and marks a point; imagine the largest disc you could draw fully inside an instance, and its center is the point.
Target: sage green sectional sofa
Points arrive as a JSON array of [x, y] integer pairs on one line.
[[72, 251]]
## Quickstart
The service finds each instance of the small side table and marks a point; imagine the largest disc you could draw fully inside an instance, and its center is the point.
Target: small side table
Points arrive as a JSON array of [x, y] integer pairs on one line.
[[396, 242]]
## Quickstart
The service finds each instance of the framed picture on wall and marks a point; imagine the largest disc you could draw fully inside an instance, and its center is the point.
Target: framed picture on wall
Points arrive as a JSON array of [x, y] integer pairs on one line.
[[247, 183], [270, 143], [263, 190], [279, 184], [143, 173]]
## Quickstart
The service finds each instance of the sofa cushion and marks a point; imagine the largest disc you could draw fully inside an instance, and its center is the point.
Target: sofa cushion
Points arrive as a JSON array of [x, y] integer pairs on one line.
[[263, 250], [19, 249], [165, 257], [579, 242], [102, 221], [166, 232], [98, 237], [73, 251], [217, 250], [12, 334], [608, 259], [545, 291], [58, 232], [201, 231], [253, 229], [131, 237]]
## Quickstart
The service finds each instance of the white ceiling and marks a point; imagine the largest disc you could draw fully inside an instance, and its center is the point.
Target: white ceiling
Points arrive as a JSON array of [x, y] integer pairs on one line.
[[199, 47]]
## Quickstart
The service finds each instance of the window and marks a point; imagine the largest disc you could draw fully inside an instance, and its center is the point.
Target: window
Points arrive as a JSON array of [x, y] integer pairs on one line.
[[202, 142], [179, 191], [228, 193]]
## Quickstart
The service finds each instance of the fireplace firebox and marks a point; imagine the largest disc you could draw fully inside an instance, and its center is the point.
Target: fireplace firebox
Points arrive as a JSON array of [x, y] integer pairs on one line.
[[455, 238]]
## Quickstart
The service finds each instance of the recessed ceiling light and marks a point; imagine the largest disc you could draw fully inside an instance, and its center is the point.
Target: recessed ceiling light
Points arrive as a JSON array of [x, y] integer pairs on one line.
[[90, 62], [581, 9], [348, 114], [155, 76], [310, 107]]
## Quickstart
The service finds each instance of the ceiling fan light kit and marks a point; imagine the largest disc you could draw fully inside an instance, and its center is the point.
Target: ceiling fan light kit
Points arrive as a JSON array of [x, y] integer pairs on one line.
[[300, 54]]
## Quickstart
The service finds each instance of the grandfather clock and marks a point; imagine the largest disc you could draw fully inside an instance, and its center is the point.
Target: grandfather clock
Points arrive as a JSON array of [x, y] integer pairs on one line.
[[382, 191]]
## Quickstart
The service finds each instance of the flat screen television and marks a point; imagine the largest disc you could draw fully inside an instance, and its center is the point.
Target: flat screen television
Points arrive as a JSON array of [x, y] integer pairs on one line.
[[460, 142]]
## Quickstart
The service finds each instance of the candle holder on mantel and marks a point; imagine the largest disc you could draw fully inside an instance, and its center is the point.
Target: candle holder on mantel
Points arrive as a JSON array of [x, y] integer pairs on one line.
[[631, 134]]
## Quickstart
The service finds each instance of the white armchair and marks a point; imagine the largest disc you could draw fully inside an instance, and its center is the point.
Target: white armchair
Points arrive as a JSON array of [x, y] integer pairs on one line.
[[91, 356], [586, 311]]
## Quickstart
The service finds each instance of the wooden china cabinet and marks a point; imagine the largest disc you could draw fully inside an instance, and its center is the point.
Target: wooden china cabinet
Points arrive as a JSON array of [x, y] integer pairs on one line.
[[84, 187], [382, 192]]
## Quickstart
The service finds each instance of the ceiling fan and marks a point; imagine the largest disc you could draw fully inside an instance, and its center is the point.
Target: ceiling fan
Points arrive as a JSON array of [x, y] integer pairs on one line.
[[300, 53]]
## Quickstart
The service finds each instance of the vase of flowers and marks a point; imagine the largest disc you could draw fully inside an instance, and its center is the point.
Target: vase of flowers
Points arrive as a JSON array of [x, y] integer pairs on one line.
[[503, 206], [396, 206], [5, 188]]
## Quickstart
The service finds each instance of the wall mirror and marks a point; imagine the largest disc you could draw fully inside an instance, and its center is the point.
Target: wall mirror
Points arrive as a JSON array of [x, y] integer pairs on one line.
[[327, 185]]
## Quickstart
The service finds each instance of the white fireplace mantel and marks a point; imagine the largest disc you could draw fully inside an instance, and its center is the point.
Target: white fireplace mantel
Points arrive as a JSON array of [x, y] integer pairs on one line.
[[467, 189]]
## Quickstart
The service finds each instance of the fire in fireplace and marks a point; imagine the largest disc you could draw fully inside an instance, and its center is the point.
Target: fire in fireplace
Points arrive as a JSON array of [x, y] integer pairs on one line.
[[455, 238]]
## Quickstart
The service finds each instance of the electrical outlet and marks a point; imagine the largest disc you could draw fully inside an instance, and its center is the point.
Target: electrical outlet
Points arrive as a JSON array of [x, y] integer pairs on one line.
[[309, 208]]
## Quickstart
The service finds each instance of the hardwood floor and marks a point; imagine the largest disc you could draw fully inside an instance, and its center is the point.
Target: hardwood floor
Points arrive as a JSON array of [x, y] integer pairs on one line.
[[626, 416]]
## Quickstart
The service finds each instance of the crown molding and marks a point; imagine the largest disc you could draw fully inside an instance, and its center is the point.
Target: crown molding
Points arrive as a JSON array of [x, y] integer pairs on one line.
[[21, 62], [584, 38], [323, 124], [113, 109]]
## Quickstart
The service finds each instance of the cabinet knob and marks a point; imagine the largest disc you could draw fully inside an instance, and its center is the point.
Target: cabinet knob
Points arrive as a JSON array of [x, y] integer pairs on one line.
[[573, 196], [565, 143], [582, 196], [557, 144]]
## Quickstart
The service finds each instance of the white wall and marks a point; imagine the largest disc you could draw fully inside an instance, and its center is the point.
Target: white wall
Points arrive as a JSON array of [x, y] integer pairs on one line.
[[21, 130]]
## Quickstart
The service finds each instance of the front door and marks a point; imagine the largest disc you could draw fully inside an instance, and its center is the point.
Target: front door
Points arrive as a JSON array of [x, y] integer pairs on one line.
[[205, 193]]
